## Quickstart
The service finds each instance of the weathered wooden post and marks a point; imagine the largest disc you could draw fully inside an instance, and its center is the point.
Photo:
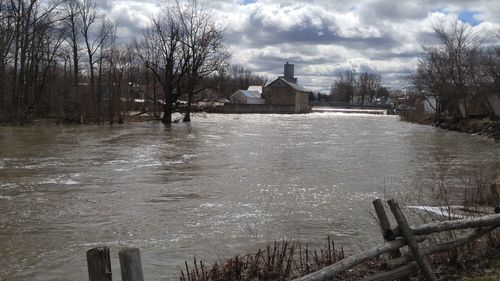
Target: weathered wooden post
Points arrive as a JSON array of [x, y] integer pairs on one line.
[[131, 265], [99, 264], [385, 225], [495, 198], [420, 258]]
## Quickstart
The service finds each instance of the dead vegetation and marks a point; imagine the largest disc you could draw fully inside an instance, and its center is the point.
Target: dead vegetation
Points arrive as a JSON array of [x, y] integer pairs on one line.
[[283, 260]]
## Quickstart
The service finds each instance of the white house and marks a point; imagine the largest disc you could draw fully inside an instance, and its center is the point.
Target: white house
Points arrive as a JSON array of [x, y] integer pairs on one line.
[[247, 97]]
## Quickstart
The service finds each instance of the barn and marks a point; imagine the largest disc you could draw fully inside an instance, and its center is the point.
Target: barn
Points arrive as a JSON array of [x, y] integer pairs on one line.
[[285, 91]]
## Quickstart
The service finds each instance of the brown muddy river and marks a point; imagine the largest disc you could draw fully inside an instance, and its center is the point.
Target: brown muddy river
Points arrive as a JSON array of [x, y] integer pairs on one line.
[[221, 185]]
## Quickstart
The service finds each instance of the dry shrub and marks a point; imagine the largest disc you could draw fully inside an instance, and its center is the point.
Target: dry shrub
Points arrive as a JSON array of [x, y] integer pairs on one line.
[[283, 260]]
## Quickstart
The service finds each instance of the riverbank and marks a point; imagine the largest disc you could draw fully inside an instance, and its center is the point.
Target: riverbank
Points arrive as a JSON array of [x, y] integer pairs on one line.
[[287, 260], [62, 121], [483, 127]]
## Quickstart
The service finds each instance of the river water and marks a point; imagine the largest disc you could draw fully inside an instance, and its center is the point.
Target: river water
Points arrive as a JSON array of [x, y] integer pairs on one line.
[[218, 186]]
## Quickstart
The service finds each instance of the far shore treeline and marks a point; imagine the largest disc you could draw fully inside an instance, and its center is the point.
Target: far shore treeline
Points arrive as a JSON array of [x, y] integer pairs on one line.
[[63, 59]]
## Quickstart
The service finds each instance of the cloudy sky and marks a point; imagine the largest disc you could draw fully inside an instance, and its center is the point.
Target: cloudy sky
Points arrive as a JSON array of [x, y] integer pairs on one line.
[[325, 37]]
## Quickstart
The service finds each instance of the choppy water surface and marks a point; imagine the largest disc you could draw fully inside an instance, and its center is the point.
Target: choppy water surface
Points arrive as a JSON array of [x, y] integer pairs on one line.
[[221, 185]]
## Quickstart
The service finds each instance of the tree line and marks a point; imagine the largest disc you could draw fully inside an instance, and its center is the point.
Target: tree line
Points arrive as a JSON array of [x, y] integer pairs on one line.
[[64, 59], [462, 69], [455, 75], [358, 88]]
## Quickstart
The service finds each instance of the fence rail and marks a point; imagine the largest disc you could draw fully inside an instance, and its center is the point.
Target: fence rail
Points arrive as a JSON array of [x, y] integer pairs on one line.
[[398, 267], [402, 266]]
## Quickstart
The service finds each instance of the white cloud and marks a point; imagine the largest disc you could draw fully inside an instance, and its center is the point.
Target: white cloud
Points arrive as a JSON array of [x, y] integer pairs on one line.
[[325, 37]]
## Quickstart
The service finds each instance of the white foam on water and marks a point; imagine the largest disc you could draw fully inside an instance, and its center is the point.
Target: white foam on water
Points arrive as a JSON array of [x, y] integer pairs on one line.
[[70, 182], [8, 185], [215, 137], [59, 180], [122, 170], [189, 156], [173, 162], [246, 215], [211, 205], [154, 164], [111, 162]]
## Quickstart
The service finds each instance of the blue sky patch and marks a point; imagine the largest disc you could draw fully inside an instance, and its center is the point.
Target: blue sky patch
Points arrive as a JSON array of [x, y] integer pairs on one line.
[[246, 2], [469, 17]]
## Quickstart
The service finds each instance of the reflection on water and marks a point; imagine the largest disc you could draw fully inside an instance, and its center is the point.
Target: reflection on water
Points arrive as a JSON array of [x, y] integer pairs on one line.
[[221, 185]]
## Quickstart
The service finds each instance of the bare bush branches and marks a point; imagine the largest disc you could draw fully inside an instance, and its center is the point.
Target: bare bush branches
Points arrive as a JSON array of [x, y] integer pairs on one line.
[[455, 71]]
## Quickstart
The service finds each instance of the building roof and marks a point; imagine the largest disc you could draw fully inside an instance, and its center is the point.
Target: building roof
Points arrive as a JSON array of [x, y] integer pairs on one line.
[[295, 86], [249, 94]]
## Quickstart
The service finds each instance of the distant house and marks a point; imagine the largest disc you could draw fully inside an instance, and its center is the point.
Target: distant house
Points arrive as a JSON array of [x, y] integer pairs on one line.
[[284, 91], [246, 97]]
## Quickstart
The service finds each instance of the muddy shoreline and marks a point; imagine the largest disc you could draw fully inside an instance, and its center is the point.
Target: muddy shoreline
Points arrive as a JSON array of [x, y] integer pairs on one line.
[[482, 127]]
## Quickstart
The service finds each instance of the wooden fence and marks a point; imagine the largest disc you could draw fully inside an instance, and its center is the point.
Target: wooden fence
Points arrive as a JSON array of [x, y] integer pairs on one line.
[[399, 266], [402, 266]]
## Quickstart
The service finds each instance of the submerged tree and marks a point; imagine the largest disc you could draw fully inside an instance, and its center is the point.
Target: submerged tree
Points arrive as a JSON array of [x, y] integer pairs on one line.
[[183, 46], [160, 51], [202, 48]]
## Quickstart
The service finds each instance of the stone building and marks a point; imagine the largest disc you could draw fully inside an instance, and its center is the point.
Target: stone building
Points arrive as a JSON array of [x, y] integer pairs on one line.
[[285, 92]]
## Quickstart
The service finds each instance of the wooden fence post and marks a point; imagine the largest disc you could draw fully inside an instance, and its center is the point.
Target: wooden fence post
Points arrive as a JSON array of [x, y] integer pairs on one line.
[[421, 259], [130, 264], [494, 195], [385, 225], [99, 264]]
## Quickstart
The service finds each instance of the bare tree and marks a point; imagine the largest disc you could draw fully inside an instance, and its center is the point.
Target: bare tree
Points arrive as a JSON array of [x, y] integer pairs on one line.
[[202, 48], [160, 52], [450, 72], [182, 47], [368, 85], [119, 60], [33, 25], [95, 30], [343, 89], [73, 24], [239, 77], [7, 27]]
